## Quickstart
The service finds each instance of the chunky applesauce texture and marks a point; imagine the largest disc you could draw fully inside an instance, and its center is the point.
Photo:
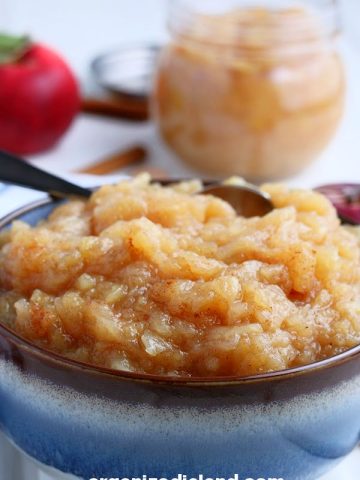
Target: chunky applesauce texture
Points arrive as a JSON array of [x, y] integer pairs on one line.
[[166, 281]]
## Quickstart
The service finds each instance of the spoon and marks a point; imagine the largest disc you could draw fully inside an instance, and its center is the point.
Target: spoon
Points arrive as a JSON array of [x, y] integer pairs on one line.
[[246, 199]]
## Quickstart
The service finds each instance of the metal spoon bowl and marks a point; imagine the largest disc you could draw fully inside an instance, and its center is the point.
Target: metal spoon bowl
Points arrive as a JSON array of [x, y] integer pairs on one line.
[[247, 200]]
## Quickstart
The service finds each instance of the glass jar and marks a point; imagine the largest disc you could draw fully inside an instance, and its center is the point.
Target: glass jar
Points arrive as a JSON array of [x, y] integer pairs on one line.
[[251, 90]]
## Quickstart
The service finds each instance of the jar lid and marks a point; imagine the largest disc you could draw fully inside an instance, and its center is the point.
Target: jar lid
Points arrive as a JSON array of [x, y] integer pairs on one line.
[[127, 71]]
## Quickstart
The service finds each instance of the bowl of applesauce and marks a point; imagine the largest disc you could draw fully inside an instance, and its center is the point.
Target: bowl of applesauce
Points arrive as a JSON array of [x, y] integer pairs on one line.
[[250, 88], [150, 330]]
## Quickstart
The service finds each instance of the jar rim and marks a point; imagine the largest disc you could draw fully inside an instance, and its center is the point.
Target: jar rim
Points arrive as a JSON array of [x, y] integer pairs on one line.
[[299, 25]]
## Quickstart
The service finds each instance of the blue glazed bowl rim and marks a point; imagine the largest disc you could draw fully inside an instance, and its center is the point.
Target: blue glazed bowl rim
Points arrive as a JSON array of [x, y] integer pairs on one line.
[[49, 355]]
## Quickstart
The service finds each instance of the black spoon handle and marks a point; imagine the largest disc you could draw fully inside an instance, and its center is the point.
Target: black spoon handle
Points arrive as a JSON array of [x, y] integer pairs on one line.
[[17, 171]]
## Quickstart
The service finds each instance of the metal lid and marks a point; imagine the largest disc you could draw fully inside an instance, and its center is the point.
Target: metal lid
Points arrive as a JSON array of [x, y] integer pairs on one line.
[[127, 71]]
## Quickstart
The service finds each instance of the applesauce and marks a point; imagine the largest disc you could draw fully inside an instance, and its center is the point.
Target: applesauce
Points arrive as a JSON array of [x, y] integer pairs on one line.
[[254, 91], [167, 281]]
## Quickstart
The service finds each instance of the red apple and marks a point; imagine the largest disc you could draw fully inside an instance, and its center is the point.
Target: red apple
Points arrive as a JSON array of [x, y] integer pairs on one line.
[[39, 96]]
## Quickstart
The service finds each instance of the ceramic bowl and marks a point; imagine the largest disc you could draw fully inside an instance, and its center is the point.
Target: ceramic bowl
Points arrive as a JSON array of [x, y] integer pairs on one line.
[[98, 423]]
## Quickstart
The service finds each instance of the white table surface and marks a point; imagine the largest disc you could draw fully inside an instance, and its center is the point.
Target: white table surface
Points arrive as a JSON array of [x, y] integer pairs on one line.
[[79, 29]]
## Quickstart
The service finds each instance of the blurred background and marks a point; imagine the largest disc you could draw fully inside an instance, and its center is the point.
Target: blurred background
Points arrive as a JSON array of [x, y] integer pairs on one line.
[[81, 30]]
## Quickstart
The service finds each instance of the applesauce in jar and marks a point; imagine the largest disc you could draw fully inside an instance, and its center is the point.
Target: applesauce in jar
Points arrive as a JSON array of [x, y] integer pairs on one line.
[[256, 91]]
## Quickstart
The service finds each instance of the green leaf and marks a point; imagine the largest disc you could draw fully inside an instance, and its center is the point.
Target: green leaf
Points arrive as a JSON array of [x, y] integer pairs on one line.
[[12, 48]]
